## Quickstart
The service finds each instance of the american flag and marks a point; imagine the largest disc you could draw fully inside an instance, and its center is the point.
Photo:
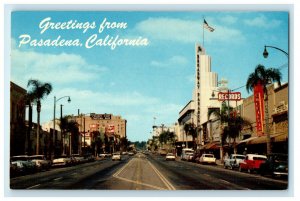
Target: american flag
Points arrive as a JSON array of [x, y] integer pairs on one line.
[[206, 26]]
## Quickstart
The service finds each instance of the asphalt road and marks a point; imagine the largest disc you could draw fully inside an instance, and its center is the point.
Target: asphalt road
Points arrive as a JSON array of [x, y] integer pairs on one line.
[[145, 172]]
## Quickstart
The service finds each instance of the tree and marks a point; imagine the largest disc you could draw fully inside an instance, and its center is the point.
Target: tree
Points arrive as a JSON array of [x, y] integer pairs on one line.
[[233, 124], [38, 91], [264, 76], [123, 143], [190, 129], [69, 125]]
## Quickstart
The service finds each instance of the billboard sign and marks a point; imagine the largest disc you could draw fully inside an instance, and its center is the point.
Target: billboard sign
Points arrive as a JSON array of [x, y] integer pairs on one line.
[[259, 111], [235, 96], [100, 116], [110, 129]]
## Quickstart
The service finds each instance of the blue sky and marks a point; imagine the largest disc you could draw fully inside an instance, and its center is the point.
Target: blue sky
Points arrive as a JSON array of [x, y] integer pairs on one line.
[[140, 83]]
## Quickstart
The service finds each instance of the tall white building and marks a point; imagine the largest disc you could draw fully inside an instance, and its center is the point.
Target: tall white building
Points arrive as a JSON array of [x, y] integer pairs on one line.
[[206, 82]]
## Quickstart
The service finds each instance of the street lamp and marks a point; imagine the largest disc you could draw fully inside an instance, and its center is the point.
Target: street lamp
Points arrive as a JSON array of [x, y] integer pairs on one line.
[[56, 100], [265, 53]]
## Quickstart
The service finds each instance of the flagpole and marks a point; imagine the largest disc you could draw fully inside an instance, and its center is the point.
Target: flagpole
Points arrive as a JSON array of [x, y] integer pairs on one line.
[[203, 30]]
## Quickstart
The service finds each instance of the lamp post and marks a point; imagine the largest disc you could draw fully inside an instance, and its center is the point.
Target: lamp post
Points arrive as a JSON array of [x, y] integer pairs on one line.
[[54, 133], [266, 54]]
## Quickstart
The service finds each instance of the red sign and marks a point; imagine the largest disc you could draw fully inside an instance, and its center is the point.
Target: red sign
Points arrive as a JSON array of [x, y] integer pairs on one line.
[[236, 96], [259, 111], [110, 129]]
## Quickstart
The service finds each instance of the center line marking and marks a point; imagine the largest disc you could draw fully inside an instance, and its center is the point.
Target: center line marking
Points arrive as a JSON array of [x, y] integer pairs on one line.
[[34, 186], [59, 178]]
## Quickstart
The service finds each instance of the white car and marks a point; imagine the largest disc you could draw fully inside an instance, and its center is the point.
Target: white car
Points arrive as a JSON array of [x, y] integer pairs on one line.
[[170, 156], [116, 156], [40, 161], [78, 158], [207, 158], [233, 161], [62, 161]]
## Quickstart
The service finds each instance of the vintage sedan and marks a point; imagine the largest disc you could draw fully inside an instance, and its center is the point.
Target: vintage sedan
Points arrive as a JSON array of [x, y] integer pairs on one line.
[[170, 157], [252, 162], [40, 161], [275, 165], [233, 161], [62, 161], [207, 158], [116, 156], [22, 165]]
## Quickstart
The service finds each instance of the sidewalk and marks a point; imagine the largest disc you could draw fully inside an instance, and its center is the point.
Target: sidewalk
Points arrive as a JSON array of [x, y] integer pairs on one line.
[[219, 162]]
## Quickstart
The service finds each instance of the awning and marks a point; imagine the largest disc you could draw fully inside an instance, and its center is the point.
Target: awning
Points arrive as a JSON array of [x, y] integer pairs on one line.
[[274, 138], [246, 140], [211, 145], [281, 137]]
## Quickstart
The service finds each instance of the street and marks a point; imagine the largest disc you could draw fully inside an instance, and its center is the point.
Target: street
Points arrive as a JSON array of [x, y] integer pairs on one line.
[[145, 172]]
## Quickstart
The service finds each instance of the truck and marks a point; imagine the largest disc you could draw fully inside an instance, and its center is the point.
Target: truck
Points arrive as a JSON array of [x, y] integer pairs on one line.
[[186, 153], [233, 161]]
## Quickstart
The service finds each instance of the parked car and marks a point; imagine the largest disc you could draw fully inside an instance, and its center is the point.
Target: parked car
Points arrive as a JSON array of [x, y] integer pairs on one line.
[[275, 165], [116, 156], [23, 165], [105, 155], [170, 157], [252, 162], [62, 161], [130, 153], [89, 157], [233, 161], [40, 161], [207, 158], [13, 169], [195, 157], [186, 152], [78, 159]]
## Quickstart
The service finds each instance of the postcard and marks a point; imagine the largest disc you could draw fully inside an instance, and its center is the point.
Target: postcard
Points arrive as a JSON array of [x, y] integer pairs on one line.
[[149, 100]]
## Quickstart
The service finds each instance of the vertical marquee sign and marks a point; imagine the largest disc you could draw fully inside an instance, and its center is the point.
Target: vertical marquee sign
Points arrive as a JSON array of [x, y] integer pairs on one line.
[[259, 105]]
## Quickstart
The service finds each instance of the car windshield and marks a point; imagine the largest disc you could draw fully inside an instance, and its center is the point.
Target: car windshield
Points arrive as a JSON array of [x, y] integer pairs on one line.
[[240, 157], [170, 154], [37, 157], [19, 158], [280, 158], [209, 156], [259, 158]]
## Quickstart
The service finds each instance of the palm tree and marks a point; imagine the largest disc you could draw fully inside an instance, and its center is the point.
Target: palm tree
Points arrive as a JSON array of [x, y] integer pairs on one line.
[[190, 129], [234, 124], [264, 76], [38, 90]]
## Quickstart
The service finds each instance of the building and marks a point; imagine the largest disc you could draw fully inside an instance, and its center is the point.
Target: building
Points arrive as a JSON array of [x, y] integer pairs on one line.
[[157, 130], [17, 120], [196, 111], [278, 122], [108, 127], [205, 99]]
